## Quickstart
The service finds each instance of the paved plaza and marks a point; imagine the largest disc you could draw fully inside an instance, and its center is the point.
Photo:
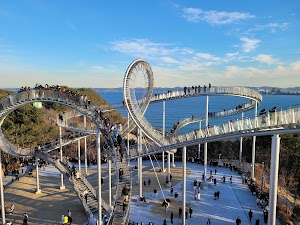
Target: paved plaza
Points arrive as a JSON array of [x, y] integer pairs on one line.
[[48, 207]]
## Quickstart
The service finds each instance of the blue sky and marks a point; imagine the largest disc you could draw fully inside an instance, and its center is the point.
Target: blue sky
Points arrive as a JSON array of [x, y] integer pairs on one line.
[[91, 43]]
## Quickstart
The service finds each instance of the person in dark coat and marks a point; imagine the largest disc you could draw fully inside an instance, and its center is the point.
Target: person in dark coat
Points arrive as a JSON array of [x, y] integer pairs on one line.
[[180, 212], [265, 212], [165, 221], [250, 213], [191, 211], [238, 221], [172, 217], [257, 222]]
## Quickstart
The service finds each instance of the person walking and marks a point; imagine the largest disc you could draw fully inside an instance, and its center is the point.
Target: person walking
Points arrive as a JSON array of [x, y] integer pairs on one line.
[[191, 211], [172, 190], [165, 222], [176, 195], [25, 220], [180, 212], [257, 222], [171, 217], [208, 222], [85, 194], [238, 221], [250, 213]]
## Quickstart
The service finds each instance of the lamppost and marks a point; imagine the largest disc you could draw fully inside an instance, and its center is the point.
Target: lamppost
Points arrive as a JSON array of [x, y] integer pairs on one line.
[[262, 177]]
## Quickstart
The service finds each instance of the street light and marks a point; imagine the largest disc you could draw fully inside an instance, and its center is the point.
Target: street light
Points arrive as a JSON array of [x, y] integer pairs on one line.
[[262, 177]]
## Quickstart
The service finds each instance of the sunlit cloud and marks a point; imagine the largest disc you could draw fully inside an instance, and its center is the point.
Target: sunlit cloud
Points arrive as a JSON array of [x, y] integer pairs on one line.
[[208, 56], [169, 60], [249, 44], [263, 58], [139, 47], [214, 17]]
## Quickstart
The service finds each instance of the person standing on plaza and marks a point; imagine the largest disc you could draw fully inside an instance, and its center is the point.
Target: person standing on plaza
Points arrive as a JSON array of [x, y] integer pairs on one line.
[[208, 222], [238, 221], [25, 220], [172, 190], [176, 195], [250, 213], [257, 222], [180, 212], [165, 222], [171, 217], [191, 211]]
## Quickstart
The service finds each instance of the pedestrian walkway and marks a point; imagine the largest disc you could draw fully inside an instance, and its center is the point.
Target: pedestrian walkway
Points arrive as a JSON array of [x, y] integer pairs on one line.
[[235, 201], [48, 207]]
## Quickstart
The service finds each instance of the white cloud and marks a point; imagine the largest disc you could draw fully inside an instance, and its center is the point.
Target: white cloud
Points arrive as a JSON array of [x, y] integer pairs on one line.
[[192, 14], [207, 56], [296, 66], [214, 17], [273, 27], [249, 44], [220, 18], [263, 58], [139, 47], [169, 60]]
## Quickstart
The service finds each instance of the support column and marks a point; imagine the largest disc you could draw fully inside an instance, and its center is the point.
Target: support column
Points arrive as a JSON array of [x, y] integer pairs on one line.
[[2, 191], [141, 176], [85, 148], [183, 184], [163, 128], [241, 144], [79, 160], [169, 169], [205, 144], [140, 169], [173, 163], [99, 175], [38, 190], [163, 162], [274, 179], [109, 183], [62, 186], [253, 147], [199, 145]]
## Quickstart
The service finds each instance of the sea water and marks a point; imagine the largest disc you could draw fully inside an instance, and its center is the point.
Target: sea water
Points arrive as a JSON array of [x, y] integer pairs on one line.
[[179, 109]]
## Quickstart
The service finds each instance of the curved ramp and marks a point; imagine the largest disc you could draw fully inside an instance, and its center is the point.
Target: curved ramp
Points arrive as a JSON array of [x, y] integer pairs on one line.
[[12, 102]]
